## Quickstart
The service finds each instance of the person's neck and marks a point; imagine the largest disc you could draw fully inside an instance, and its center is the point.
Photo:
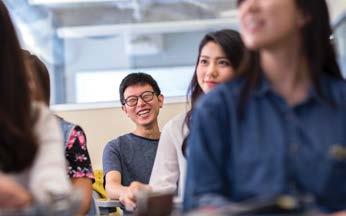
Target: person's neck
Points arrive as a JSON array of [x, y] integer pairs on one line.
[[149, 132], [287, 70]]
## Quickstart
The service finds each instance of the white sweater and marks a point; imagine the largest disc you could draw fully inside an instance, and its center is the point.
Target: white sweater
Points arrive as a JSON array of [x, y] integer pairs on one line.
[[170, 165], [48, 172]]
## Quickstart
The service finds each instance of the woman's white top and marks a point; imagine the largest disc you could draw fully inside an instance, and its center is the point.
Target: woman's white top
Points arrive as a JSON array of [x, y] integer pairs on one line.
[[170, 164], [48, 172]]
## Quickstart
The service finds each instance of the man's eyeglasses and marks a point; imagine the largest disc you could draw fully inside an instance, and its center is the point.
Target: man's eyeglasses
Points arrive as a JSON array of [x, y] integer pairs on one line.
[[146, 96]]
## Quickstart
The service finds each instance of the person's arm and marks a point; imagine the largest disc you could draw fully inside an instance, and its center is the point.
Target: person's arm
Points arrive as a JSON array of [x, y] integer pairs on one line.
[[12, 194], [111, 160], [125, 194], [207, 155], [119, 192], [340, 213], [113, 177], [48, 173], [84, 185], [79, 167], [165, 174], [113, 185]]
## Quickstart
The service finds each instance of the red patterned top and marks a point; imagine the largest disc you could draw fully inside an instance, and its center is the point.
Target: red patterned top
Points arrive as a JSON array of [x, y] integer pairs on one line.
[[77, 155]]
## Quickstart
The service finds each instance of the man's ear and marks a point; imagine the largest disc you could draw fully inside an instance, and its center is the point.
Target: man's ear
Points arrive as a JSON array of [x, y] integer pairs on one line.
[[124, 109], [160, 99]]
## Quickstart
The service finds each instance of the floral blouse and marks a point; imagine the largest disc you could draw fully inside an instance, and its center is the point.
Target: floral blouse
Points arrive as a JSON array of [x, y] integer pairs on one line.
[[77, 155]]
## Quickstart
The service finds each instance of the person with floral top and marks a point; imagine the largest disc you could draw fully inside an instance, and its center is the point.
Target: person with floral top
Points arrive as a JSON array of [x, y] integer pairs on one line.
[[79, 167], [76, 152]]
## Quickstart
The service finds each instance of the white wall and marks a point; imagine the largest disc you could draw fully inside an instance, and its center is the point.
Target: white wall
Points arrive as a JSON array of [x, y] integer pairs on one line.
[[336, 7]]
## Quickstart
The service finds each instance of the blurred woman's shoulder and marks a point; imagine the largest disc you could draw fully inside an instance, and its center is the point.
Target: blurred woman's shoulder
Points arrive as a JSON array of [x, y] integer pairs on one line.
[[336, 89], [226, 93]]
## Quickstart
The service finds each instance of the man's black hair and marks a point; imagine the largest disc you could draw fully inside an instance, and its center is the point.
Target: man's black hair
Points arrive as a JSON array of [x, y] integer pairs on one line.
[[138, 78]]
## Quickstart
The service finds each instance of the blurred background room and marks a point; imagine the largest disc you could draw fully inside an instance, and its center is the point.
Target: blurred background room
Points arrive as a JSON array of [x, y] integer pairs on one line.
[[90, 45]]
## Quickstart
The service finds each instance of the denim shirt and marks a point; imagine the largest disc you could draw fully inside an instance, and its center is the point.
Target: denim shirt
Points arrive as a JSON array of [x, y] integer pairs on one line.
[[274, 149]]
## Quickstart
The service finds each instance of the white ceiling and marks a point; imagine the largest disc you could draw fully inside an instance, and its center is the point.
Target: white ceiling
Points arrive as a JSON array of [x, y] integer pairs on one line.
[[138, 11], [71, 13], [336, 7]]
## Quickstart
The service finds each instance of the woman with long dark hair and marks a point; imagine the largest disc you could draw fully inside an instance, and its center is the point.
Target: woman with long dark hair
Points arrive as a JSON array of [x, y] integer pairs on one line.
[[33, 159], [280, 127], [219, 55]]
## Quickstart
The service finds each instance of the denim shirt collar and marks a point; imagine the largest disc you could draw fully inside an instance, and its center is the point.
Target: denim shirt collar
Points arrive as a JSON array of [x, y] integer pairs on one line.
[[263, 88]]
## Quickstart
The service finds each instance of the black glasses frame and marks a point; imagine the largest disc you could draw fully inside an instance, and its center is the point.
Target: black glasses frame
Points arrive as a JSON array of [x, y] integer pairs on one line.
[[146, 96]]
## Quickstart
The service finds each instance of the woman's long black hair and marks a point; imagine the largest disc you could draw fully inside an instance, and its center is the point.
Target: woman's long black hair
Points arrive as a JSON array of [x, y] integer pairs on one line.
[[233, 47], [18, 144]]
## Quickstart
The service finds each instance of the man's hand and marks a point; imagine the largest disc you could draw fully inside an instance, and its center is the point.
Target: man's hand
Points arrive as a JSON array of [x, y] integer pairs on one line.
[[12, 194], [128, 196], [341, 213]]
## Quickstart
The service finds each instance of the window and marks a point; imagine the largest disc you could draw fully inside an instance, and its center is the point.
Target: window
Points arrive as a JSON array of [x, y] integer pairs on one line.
[[340, 41], [103, 85], [90, 45]]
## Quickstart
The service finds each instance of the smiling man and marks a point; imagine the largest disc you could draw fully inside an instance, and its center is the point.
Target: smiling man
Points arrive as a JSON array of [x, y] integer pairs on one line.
[[128, 160]]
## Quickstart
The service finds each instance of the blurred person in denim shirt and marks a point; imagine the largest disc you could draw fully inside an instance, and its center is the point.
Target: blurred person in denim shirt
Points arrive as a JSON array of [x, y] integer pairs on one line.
[[279, 128]]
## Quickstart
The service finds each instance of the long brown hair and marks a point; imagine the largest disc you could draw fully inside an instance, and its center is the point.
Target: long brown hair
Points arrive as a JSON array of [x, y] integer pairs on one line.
[[317, 48], [233, 47], [38, 76], [18, 144]]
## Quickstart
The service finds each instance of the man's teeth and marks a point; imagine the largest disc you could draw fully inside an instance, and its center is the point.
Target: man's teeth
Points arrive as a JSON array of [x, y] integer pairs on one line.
[[143, 112]]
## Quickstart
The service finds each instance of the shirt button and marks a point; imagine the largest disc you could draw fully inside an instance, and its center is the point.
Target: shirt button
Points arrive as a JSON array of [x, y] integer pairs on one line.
[[294, 148]]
